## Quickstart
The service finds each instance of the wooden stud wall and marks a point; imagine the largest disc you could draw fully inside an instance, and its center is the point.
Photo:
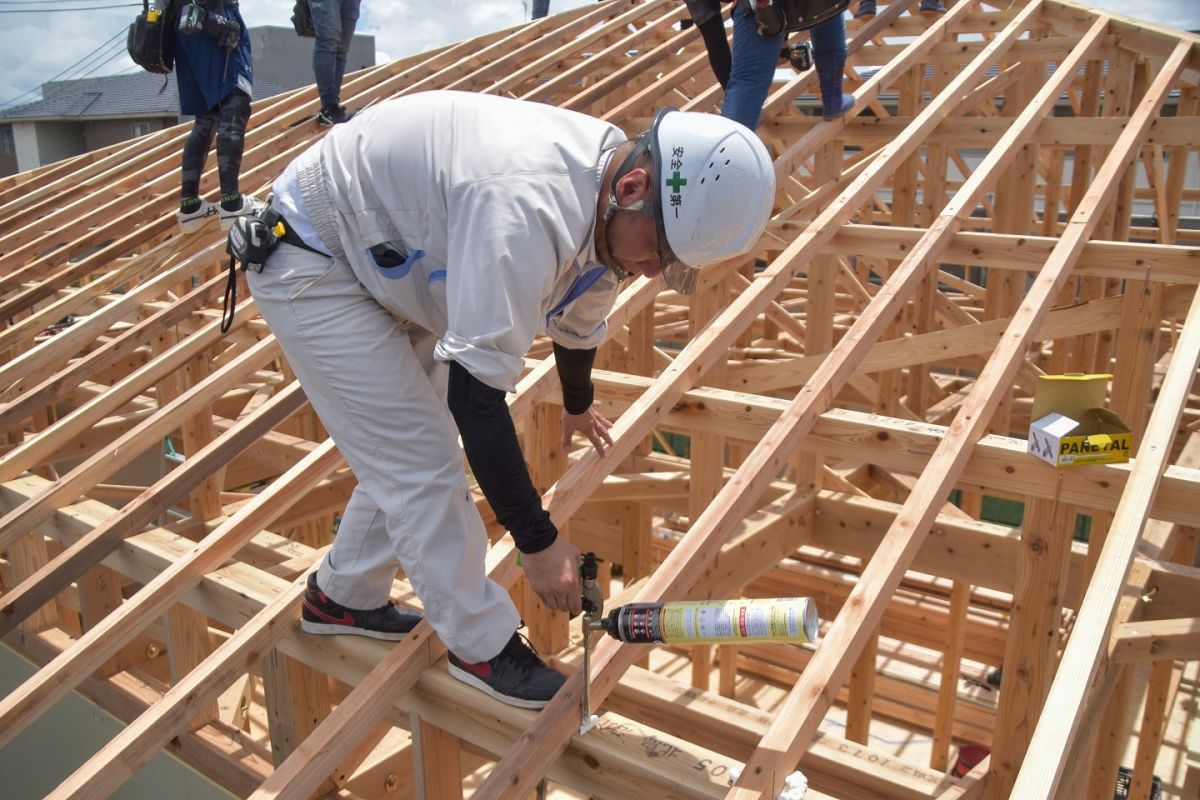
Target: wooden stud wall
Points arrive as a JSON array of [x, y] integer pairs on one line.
[[1011, 198]]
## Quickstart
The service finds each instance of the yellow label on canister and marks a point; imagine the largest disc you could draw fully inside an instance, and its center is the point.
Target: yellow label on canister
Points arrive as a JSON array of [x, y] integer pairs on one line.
[[785, 619]]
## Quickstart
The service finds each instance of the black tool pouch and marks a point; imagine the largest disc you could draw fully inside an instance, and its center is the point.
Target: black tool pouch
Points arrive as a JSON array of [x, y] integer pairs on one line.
[[302, 20], [795, 15], [251, 239], [151, 40], [800, 56]]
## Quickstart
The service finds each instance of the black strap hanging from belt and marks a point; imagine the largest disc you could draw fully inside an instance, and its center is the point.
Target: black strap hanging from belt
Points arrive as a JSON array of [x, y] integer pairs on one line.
[[251, 240]]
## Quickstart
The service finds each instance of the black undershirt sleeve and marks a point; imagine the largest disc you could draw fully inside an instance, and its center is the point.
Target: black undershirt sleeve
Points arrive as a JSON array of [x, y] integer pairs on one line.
[[575, 374], [490, 441]]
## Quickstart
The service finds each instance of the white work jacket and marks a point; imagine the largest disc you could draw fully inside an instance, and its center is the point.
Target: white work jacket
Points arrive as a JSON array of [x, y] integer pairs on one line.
[[492, 200]]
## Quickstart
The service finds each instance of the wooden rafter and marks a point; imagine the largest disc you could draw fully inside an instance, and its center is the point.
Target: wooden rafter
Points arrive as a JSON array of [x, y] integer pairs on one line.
[[793, 428]]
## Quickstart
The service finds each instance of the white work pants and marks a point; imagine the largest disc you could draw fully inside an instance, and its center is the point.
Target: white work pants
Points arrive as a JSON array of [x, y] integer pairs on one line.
[[380, 394]]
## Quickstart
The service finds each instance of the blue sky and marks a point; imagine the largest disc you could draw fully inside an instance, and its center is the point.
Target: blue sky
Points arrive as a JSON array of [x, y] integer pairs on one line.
[[36, 46]]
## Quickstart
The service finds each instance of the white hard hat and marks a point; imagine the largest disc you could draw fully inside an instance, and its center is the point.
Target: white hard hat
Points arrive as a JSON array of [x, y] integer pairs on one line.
[[713, 194]]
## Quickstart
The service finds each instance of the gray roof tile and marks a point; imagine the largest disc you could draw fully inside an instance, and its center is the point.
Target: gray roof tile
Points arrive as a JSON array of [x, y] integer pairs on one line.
[[138, 94]]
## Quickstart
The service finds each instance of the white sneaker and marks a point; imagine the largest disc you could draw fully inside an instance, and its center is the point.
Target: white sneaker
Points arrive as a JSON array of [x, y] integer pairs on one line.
[[193, 221], [250, 205]]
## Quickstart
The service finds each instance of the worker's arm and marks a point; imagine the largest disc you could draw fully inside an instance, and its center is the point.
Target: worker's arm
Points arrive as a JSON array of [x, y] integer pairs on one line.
[[490, 440], [579, 416]]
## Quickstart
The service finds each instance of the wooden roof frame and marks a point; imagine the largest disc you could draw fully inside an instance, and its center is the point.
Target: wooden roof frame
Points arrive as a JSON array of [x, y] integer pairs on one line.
[[846, 382]]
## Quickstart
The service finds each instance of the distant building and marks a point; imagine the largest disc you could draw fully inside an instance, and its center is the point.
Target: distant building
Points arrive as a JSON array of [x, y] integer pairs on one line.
[[76, 116]]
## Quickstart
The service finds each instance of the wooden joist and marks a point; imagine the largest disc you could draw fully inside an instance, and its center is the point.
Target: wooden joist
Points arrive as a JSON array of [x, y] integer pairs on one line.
[[795, 426]]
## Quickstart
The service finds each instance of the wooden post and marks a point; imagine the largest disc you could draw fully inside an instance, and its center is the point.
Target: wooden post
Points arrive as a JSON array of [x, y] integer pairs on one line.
[[188, 644], [437, 757], [297, 699], [956, 635], [99, 596], [547, 629], [1154, 721], [707, 455], [1112, 736], [862, 692], [26, 556], [1034, 630]]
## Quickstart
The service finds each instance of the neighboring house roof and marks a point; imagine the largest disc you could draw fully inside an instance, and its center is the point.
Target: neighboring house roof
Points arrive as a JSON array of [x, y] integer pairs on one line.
[[139, 94]]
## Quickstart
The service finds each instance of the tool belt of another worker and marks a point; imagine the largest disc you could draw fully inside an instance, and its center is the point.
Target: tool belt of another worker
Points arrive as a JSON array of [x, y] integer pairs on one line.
[[251, 239], [772, 17]]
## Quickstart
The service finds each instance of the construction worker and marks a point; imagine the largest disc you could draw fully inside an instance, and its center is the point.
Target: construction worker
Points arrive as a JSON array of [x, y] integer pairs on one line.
[[428, 241], [746, 75], [214, 73], [334, 22]]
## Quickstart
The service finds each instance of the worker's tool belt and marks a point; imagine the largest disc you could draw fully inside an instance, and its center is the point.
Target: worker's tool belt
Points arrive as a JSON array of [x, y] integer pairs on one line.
[[251, 239], [774, 16]]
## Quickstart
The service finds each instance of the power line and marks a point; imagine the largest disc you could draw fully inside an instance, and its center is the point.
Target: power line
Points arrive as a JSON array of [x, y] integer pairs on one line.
[[55, 10], [103, 49], [115, 49]]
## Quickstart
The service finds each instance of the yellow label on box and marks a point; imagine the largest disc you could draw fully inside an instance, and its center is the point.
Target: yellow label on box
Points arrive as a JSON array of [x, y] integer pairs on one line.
[[1099, 448]]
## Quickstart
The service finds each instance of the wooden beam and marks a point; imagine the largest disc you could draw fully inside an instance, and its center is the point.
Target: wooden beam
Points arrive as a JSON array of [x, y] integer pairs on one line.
[[147, 505], [1156, 640], [320, 753], [33, 697], [139, 741], [905, 446]]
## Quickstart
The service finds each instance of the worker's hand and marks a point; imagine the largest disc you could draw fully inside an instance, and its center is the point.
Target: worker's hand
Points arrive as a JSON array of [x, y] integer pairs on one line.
[[590, 423], [554, 574]]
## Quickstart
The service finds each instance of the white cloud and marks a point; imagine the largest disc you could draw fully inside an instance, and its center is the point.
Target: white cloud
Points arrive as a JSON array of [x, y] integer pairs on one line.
[[35, 47]]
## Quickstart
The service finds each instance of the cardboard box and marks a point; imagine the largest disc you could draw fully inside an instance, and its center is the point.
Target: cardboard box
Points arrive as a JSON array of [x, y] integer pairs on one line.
[[1071, 425]]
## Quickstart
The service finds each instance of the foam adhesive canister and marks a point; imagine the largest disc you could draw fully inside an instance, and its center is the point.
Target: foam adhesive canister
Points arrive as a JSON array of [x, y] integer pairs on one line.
[[785, 619]]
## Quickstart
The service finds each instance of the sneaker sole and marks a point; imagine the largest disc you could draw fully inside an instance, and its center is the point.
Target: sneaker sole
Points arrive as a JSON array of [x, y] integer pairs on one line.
[[328, 628], [195, 223], [473, 680]]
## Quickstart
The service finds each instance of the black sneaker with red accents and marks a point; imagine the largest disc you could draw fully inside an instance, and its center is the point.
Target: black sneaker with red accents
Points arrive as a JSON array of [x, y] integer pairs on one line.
[[517, 676], [319, 614]]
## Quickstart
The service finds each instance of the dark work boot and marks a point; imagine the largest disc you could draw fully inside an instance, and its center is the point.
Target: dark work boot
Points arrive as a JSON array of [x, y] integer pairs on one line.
[[333, 115], [834, 102], [865, 10]]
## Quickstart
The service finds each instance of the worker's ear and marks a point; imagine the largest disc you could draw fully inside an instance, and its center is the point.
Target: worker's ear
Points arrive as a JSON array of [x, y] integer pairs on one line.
[[633, 186]]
